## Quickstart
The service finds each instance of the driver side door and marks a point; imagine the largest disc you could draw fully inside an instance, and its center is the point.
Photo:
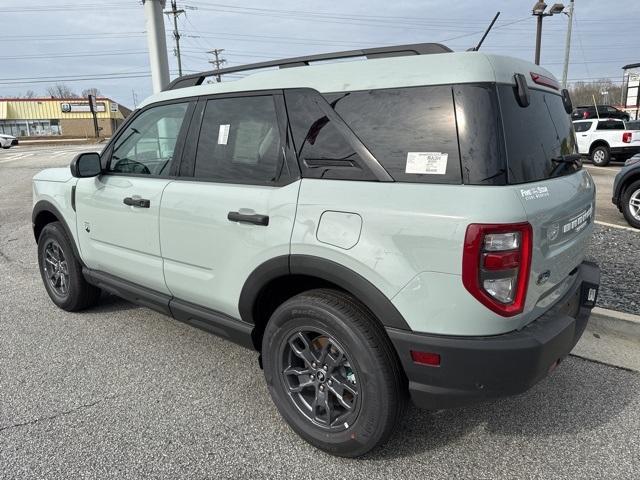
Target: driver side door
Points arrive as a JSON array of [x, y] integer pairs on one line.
[[118, 211]]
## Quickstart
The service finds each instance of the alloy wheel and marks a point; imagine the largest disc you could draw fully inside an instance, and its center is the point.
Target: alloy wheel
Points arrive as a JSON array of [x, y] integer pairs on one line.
[[56, 268], [320, 380], [634, 204]]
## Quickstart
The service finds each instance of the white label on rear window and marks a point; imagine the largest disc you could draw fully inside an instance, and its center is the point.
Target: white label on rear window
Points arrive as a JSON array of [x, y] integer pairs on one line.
[[431, 163], [223, 134]]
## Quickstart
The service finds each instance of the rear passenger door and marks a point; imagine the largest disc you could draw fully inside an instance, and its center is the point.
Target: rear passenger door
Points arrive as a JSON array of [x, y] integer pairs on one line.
[[233, 206]]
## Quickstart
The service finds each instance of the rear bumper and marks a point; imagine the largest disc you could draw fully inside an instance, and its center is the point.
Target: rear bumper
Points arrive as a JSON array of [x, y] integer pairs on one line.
[[14, 142], [473, 369]]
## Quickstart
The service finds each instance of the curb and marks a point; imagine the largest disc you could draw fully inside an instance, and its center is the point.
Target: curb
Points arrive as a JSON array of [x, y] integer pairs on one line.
[[618, 322]]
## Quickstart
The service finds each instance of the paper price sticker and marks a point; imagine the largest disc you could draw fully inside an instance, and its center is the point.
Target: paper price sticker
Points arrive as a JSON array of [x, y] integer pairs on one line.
[[430, 163]]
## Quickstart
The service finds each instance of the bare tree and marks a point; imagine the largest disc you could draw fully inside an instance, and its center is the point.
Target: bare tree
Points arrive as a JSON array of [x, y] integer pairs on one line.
[[605, 91], [29, 94], [60, 90], [91, 91]]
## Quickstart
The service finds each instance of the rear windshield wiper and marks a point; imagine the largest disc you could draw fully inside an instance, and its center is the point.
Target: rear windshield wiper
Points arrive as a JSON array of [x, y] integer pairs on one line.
[[574, 158]]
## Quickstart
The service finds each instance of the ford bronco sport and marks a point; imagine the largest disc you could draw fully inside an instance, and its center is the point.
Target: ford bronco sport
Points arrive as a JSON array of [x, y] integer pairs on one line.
[[409, 225]]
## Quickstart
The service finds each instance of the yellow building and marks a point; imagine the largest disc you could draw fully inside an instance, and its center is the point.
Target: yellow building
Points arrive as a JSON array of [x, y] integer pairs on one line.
[[69, 117]]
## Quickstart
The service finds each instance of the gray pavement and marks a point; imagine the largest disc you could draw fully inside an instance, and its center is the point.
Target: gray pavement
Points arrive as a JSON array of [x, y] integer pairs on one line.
[[124, 392], [605, 210]]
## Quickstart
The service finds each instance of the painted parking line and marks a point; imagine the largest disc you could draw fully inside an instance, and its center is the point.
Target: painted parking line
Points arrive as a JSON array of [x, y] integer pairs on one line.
[[593, 167], [613, 225], [17, 157]]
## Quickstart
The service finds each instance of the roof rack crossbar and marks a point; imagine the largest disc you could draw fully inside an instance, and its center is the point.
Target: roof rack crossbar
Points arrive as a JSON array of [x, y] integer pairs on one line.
[[370, 53]]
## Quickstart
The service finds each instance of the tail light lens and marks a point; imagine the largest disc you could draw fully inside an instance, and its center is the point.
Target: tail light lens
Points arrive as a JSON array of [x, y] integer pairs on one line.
[[626, 137], [585, 114], [496, 264]]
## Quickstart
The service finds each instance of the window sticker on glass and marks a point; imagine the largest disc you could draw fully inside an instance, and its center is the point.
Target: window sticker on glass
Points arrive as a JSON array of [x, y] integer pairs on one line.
[[432, 163], [223, 134]]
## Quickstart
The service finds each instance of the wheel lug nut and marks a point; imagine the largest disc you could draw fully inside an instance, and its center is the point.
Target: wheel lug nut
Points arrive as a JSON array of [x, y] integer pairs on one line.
[[330, 382], [314, 365], [322, 388], [325, 367], [313, 377]]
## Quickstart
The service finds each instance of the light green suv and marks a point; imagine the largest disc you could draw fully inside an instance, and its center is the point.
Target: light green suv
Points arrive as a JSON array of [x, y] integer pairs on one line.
[[413, 224]]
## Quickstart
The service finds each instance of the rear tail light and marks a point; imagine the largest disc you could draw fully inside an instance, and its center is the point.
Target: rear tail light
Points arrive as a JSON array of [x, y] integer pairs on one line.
[[585, 114], [626, 137], [496, 264]]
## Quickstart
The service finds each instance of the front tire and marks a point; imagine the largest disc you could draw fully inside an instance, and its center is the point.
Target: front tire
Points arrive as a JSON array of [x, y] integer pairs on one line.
[[332, 372], [631, 204], [62, 272], [601, 156]]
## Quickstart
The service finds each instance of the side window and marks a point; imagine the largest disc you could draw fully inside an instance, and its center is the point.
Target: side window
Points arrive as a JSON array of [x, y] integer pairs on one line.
[[146, 146], [322, 149], [410, 131], [608, 125], [582, 126], [240, 141]]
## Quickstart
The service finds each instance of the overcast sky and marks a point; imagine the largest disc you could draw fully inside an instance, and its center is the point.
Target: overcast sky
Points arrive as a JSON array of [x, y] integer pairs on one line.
[[104, 43]]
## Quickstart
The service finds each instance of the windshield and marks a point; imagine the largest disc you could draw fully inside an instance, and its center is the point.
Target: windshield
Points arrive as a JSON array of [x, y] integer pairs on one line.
[[538, 137]]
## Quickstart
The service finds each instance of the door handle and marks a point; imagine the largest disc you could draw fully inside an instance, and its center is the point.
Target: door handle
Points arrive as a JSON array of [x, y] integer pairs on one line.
[[255, 218], [584, 134], [137, 202]]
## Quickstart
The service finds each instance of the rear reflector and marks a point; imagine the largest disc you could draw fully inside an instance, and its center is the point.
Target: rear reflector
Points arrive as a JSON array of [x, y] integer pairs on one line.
[[426, 358]]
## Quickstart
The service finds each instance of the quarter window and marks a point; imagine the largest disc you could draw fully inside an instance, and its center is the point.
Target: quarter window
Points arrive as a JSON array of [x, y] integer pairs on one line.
[[148, 143], [240, 141], [609, 125], [582, 126]]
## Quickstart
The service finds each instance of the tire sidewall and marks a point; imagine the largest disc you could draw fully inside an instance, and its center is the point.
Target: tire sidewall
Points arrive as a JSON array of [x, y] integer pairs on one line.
[[293, 316], [54, 231]]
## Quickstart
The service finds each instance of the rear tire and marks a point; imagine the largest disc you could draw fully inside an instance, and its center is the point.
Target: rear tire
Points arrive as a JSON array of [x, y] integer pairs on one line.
[[631, 204], [62, 272], [332, 372], [601, 156]]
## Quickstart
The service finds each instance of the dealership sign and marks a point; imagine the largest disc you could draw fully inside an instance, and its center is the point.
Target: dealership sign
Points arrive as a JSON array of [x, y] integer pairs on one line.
[[81, 107]]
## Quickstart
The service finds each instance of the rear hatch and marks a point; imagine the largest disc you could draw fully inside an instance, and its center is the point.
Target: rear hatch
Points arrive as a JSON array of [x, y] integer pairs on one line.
[[557, 195]]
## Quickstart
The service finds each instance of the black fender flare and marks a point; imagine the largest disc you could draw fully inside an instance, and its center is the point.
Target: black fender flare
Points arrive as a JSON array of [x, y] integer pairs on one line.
[[597, 143], [44, 206], [326, 270]]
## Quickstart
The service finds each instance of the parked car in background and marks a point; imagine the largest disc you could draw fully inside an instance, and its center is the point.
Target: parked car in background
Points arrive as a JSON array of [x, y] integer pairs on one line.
[[604, 111], [8, 141], [626, 191], [603, 139]]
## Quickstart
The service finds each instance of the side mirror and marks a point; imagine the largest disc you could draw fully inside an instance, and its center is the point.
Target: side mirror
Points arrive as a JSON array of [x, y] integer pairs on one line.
[[566, 101], [85, 165]]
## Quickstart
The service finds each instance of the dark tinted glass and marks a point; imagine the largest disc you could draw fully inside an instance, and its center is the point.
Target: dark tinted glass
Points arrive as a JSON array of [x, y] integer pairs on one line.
[[239, 141], [322, 148], [410, 131], [582, 126], [535, 135], [147, 144], [480, 135], [607, 125]]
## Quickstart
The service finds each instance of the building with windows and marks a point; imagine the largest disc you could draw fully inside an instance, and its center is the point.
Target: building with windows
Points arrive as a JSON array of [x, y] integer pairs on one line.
[[630, 87], [69, 117]]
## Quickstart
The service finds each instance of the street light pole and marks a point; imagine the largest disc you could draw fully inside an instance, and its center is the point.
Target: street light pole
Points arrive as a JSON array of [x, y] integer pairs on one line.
[[567, 47], [157, 44], [538, 39]]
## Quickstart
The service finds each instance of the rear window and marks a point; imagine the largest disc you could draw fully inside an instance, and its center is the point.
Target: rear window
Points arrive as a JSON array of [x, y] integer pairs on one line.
[[582, 126], [536, 135], [410, 131]]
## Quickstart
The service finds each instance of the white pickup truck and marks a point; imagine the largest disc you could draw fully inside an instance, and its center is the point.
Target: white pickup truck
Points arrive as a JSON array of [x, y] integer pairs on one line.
[[606, 138]]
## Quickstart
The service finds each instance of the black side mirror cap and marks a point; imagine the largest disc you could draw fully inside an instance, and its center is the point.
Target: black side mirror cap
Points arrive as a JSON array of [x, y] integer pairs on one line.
[[522, 90], [86, 165], [566, 101]]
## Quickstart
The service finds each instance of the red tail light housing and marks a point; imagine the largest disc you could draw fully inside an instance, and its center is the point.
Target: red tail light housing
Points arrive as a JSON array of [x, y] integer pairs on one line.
[[626, 137], [496, 265], [586, 114]]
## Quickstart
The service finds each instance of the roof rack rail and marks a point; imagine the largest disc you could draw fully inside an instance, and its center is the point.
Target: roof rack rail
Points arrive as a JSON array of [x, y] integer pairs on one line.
[[379, 52]]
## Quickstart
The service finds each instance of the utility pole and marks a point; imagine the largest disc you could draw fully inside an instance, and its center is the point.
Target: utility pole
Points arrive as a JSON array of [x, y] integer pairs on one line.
[[176, 34], [567, 46], [218, 62], [135, 98], [157, 43]]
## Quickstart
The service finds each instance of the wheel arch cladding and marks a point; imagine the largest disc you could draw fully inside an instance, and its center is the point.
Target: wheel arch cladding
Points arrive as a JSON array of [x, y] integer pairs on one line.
[[45, 213], [280, 278], [598, 143]]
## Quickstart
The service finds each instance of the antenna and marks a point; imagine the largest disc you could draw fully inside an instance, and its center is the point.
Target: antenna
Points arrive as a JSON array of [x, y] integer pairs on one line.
[[477, 47]]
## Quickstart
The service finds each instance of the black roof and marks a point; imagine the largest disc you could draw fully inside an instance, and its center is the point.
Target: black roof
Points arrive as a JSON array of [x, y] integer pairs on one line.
[[631, 65]]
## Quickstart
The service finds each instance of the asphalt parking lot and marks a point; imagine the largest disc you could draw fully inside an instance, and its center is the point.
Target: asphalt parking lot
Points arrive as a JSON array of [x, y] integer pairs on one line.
[[123, 392]]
